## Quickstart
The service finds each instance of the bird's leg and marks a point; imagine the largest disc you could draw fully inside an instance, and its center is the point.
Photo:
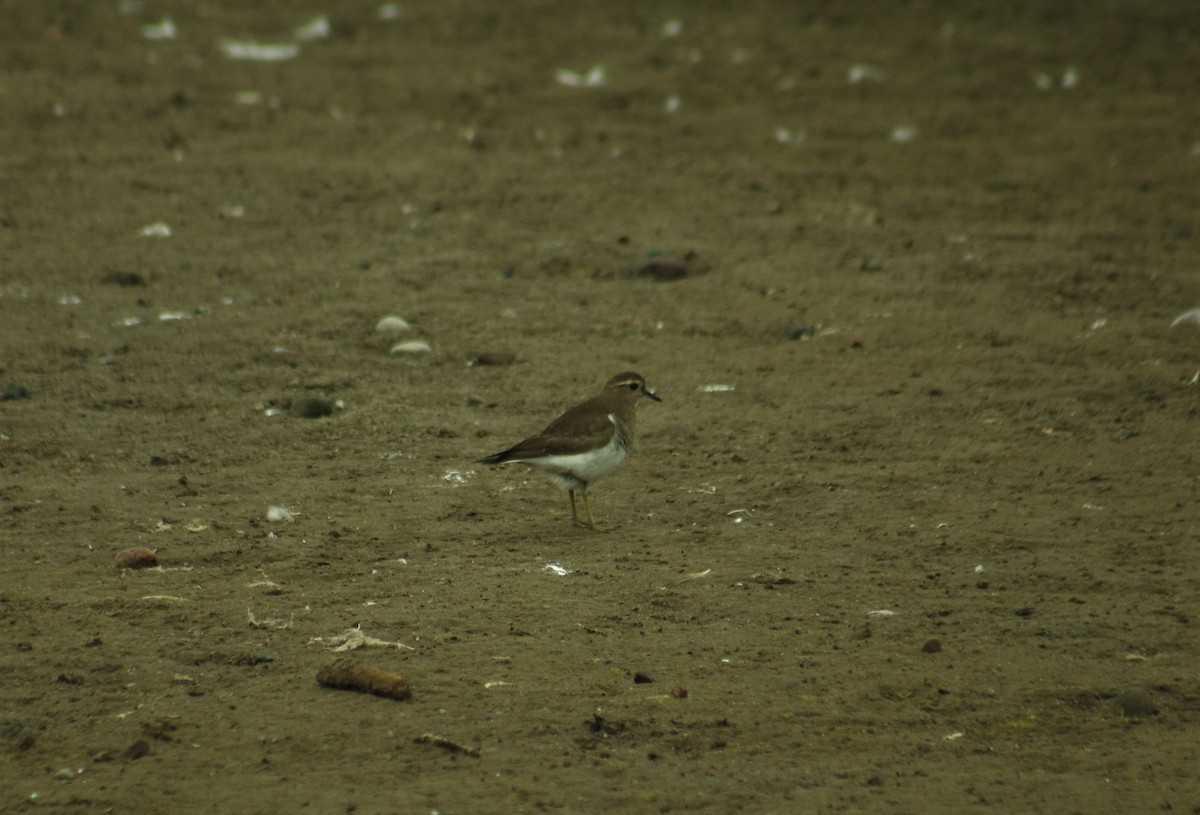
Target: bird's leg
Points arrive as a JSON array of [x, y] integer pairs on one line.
[[587, 507], [574, 514]]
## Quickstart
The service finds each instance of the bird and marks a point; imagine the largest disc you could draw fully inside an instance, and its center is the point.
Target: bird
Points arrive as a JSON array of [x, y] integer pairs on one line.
[[585, 443]]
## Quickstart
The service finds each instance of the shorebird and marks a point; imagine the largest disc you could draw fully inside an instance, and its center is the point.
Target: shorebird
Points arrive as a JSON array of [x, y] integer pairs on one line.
[[586, 443]]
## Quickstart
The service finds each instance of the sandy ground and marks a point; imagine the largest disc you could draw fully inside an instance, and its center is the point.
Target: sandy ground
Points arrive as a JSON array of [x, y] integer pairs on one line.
[[913, 530]]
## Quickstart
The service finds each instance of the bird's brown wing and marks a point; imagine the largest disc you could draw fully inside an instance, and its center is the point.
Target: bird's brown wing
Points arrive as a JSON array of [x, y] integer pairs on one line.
[[576, 431]]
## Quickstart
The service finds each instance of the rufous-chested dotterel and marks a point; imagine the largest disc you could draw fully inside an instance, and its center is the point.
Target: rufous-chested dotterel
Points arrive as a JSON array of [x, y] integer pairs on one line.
[[586, 443]]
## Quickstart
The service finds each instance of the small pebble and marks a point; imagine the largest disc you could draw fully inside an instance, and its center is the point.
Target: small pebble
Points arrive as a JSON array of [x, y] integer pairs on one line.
[[312, 407], [1136, 703], [412, 347], [18, 737], [932, 646], [139, 557], [14, 391], [662, 269], [640, 678], [392, 324], [139, 749], [124, 279], [494, 358]]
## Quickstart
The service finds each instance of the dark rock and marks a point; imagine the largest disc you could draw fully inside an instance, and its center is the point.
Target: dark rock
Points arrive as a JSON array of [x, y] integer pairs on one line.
[[124, 279], [13, 391], [139, 749], [137, 557], [494, 358], [1136, 703], [312, 407]]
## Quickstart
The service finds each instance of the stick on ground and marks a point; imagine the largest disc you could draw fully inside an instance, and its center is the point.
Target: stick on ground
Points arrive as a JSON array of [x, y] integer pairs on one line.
[[351, 674]]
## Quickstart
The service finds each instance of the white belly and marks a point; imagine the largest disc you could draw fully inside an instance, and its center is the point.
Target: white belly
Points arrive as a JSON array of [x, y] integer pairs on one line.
[[578, 470]]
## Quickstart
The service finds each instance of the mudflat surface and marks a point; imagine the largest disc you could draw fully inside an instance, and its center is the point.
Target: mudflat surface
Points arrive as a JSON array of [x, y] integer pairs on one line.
[[930, 547]]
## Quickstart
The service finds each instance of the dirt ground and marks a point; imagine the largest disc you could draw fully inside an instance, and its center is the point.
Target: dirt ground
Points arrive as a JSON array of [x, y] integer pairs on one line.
[[914, 528]]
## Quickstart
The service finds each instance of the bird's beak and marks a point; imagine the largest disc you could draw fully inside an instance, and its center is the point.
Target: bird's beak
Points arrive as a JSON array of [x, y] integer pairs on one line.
[[654, 396]]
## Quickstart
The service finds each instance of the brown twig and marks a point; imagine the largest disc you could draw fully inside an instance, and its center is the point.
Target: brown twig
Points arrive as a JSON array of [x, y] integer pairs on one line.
[[350, 674]]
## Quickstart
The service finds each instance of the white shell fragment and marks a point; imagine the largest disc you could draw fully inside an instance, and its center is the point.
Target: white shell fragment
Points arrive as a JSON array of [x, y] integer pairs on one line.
[[902, 134], [315, 29], [862, 72], [715, 388], [278, 514], [557, 569], [164, 30], [739, 515], [258, 51], [411, 347], [1044, 81], [1190, 316], [672, 28], [785, 136], [156, 230], [882, 612], [592, 79], [391, 324]]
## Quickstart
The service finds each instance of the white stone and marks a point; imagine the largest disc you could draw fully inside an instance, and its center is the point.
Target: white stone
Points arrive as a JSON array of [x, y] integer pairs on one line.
[[411, 347], [392, 323]]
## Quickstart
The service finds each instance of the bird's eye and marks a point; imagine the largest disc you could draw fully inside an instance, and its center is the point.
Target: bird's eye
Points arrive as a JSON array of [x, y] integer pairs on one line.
[[633, 386]]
